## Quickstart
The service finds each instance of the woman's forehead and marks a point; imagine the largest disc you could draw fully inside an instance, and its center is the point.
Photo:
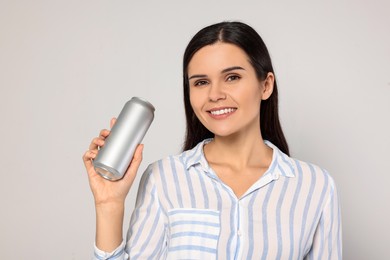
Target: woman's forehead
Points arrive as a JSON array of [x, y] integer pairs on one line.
[[218, 56]]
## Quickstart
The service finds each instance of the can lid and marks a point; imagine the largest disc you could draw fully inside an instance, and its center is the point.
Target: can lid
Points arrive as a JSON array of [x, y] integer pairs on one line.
[[143, 101]]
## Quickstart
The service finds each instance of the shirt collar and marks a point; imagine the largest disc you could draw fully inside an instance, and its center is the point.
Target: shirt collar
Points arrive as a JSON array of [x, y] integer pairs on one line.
[[281, 165], [196, 156]]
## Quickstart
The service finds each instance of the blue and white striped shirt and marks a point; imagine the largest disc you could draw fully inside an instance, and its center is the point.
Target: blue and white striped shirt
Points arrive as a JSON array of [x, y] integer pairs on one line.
[[184, 211]]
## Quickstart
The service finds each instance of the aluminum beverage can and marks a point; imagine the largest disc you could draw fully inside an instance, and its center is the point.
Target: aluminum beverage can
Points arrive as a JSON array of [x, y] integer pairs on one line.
[[130, 128]]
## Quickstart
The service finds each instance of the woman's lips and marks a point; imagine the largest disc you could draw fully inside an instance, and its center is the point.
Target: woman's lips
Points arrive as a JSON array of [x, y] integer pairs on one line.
[[221, 112]]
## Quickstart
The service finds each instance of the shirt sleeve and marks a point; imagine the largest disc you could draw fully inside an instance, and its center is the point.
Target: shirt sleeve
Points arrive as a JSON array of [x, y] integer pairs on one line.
[[327, 241], [117, 254], [146, 237]]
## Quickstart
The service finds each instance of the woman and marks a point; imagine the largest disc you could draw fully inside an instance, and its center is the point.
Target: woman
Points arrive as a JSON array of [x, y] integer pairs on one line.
[[234, 193]]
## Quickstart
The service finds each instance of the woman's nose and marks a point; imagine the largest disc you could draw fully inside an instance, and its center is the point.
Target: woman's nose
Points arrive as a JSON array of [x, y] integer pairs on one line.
[[216, 92]]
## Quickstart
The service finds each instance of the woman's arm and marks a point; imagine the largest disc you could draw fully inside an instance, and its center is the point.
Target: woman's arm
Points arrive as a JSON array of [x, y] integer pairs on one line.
[[327, 241], [109, 225], [109, 196], [146, 236]]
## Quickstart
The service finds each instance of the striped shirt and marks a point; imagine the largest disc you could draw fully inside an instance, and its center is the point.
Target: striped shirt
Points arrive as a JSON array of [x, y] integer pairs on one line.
[[184, 211]]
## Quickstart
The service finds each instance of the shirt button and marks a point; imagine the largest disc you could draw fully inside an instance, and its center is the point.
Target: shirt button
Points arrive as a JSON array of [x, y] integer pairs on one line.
[[239, 233]]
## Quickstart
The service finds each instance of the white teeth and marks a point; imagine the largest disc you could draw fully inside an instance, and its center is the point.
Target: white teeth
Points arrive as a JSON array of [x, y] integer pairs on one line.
[[222, 111]]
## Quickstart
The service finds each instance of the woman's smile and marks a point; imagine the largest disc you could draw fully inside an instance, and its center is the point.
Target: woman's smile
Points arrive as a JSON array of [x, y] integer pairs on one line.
[[221, 113]]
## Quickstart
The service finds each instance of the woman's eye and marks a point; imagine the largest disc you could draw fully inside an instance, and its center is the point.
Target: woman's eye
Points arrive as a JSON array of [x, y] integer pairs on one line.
[[200, 83], [233, 77]]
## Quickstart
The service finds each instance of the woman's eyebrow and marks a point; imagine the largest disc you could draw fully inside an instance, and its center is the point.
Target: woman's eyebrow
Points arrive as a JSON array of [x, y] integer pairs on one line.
[[198, 76], [223, 71], [232, 68]]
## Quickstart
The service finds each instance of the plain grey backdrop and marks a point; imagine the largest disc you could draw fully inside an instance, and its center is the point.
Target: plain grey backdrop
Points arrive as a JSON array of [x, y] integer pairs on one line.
[[67, 67]]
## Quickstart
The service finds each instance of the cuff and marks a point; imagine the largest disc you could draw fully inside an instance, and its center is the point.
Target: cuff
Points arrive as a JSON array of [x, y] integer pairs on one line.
[[118, 253]]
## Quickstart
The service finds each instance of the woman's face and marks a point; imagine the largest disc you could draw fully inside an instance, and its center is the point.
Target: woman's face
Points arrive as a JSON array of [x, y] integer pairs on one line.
[[225, 92]]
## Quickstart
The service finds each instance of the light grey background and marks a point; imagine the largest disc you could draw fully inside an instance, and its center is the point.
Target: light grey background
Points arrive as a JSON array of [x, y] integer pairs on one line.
[[67, 67]]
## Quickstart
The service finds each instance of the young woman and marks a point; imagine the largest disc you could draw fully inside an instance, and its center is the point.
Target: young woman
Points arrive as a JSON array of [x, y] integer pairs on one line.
[[234, 193]]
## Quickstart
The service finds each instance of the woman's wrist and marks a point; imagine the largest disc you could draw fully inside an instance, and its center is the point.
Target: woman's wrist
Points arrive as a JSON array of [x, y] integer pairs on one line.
[[112, 205], [109, 225]]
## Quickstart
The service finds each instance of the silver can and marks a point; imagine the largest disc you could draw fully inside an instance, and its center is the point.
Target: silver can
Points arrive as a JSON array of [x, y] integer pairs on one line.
[[130, 128]]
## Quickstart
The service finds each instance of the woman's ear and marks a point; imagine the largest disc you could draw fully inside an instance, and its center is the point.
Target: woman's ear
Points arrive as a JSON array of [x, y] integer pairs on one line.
[[267, 86]]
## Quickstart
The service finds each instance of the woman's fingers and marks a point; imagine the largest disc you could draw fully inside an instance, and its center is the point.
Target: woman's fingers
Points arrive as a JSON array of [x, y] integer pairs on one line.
[[93, 148], [99, 141], [96, 143], [112, 122], [88, 157], [104, 133]]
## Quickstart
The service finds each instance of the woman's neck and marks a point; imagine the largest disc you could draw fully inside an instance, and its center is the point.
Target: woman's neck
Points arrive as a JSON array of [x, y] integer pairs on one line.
[[238, 161], [239, 151]]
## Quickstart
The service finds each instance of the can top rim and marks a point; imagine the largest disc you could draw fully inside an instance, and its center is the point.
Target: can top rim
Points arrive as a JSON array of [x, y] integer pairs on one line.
[[142, 100]]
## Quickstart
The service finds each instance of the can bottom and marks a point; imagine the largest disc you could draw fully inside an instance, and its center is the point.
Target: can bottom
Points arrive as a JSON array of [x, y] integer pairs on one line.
[[107, 172]]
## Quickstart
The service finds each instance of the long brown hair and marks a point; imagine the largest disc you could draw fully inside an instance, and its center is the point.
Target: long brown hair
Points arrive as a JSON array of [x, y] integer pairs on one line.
[[246, 38]]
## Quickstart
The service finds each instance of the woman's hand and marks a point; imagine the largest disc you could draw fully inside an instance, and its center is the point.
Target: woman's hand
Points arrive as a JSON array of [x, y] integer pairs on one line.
[[105, 191]]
